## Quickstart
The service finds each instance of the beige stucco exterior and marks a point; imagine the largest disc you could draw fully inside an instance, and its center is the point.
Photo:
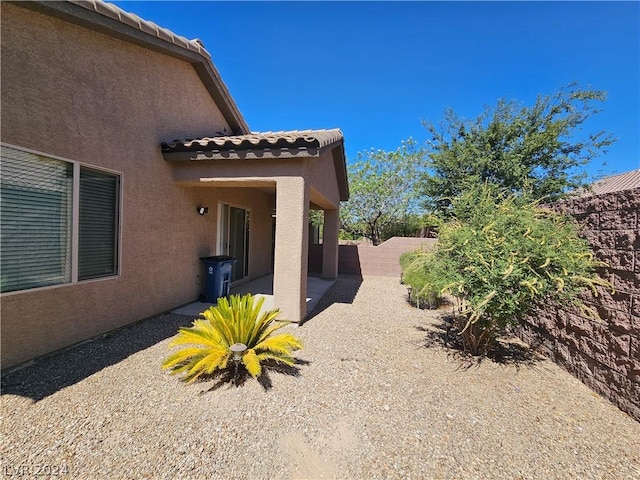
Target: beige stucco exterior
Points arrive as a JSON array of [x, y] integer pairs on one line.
[[74, 93]]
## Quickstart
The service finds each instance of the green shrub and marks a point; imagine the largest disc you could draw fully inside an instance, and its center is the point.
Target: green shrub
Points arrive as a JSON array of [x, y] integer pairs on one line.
[[405, 260], [423, 272], [501, 257], [206, 344]]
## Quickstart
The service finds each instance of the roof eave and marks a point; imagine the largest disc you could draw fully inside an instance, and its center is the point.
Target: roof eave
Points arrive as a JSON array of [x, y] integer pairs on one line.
[[211, 152], [246, 154], [340, 164]]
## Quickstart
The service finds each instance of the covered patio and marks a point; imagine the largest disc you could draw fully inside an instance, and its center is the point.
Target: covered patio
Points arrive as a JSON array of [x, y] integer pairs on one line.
[[263, 287], [291, 172]]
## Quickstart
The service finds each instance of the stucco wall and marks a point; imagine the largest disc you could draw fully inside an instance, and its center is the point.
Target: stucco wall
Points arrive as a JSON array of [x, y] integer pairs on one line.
[[260, 205], [324, 184], [83, 96], [605, 354]]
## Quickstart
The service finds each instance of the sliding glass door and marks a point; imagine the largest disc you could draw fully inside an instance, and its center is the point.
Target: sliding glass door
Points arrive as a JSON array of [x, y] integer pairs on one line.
[[233, 238]]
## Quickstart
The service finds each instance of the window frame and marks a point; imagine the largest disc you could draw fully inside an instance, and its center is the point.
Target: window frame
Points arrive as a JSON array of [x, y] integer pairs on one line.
[[75, 221], [221, 250]]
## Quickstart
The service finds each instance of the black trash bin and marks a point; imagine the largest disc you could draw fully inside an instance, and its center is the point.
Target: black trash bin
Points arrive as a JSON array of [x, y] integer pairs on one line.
[[218, 277]]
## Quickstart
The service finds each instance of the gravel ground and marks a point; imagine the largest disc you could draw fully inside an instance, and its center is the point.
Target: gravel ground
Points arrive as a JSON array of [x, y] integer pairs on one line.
[[373, 397]]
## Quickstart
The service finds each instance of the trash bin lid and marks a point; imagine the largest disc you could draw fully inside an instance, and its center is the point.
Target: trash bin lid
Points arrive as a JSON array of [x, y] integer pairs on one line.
[[218, 258]]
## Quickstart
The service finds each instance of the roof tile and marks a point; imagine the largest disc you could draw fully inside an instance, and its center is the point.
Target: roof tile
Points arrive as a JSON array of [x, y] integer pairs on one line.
[[616, 183], [258, 141]]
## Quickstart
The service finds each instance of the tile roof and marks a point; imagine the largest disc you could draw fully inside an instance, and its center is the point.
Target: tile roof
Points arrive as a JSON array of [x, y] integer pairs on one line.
[[146, 26], [293, 139], [285, 145], [616, 183]]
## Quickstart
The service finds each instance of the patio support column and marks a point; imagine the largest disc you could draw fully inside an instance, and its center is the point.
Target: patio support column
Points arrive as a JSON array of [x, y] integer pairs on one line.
[[330, 244], [292, 248]]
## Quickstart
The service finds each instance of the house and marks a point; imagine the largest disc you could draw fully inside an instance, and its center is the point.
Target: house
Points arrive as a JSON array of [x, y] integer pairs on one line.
[[102, 209]]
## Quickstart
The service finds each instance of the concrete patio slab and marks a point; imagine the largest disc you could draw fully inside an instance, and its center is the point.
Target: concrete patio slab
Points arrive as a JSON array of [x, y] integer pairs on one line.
[[263, 287]]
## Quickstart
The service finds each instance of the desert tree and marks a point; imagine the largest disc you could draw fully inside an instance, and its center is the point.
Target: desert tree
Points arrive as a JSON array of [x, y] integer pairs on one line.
[[384, 187], [541, 147]]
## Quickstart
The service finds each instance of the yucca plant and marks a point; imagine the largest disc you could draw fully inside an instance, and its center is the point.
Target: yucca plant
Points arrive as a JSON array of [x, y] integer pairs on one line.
[[237, 320]]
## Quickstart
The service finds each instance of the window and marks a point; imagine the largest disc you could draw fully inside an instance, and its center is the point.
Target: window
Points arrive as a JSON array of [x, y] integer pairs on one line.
[[35, 216], [42, 229], [97, 242]]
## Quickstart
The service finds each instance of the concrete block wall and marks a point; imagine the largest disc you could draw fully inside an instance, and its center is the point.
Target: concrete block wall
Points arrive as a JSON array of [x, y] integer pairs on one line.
[[605, 355], [367, 260]]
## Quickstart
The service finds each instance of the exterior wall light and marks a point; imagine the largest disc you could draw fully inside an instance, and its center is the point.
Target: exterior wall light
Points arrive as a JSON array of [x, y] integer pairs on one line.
[[202, 210]]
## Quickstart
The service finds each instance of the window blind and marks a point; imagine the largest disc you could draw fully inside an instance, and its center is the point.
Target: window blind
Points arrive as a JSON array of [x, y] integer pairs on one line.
[[35, 214], [98, 224]]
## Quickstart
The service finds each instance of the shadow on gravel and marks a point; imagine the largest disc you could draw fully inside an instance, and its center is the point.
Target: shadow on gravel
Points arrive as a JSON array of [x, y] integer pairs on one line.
[[50, 374], [508, 351], [231, 377], [344, 290]]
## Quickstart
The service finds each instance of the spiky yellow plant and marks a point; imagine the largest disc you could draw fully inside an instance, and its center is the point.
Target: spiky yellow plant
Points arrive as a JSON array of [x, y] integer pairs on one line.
[[237, 320]]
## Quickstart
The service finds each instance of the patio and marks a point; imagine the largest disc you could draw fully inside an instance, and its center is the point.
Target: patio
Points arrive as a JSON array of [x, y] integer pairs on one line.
[[263, 287], [373, 398]]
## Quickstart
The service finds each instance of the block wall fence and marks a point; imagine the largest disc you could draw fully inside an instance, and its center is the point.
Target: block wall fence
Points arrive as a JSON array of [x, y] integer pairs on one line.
[[366, 260], [605, 355]]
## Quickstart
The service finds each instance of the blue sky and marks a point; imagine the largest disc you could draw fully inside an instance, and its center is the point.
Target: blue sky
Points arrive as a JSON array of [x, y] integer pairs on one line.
[[377, 69]]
